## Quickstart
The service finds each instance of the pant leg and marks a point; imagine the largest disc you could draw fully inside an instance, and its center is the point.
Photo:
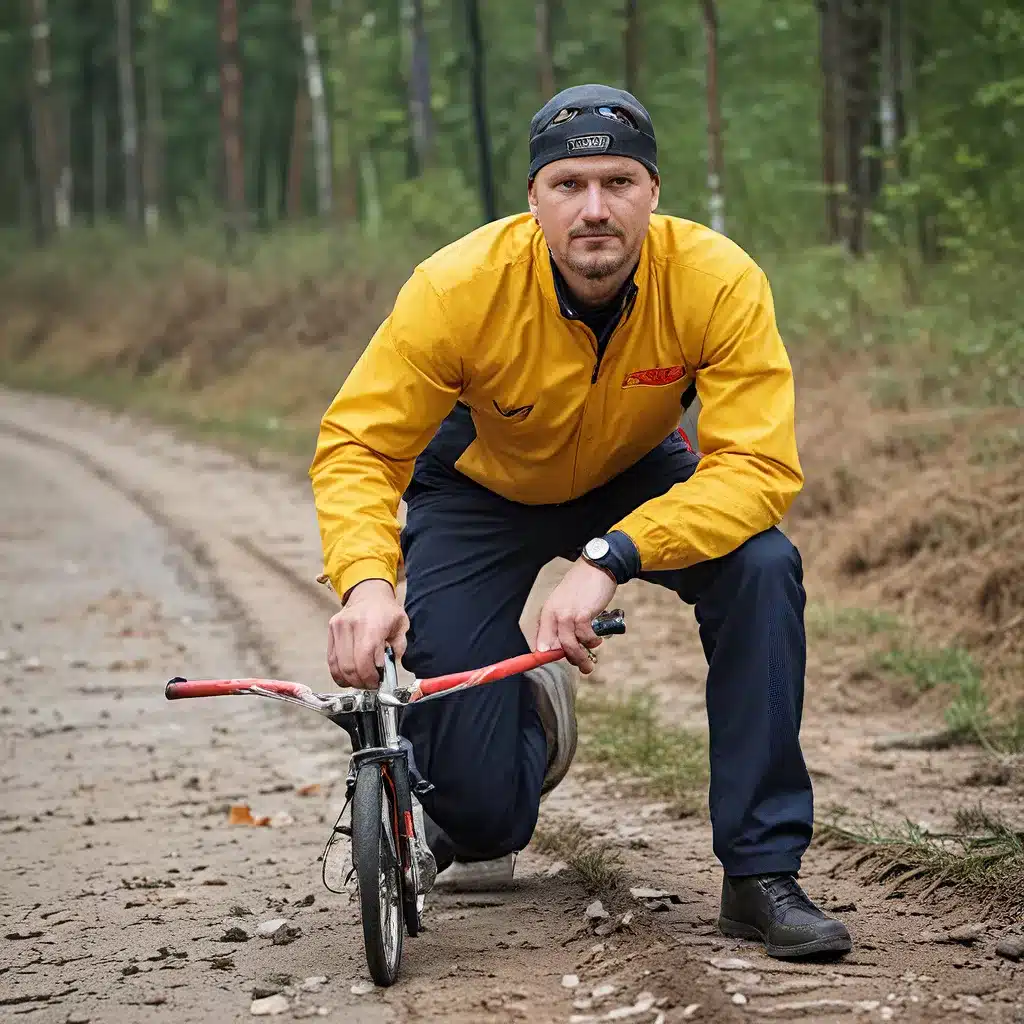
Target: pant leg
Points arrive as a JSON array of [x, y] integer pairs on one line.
[[749, 605], [471, 559]]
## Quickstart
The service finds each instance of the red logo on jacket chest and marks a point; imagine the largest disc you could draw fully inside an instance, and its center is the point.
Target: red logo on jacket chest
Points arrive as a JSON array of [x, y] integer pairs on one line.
[[656, 377]]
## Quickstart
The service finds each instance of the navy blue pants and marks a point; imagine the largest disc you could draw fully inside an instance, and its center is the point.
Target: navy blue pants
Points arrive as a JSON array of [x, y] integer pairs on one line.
[[471, 560]]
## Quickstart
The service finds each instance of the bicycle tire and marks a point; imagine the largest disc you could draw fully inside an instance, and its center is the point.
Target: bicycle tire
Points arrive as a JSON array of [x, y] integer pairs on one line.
[[379, 873]]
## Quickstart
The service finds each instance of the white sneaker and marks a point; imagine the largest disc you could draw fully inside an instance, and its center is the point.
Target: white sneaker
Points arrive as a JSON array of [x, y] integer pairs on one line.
[[424, 858], [478, 876], [554, 690]]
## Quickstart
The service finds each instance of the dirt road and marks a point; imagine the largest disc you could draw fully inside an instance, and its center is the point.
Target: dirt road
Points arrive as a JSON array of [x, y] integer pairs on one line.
[[128, 556]]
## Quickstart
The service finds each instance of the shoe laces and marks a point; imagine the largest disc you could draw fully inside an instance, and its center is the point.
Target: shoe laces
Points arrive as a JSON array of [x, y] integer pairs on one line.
[[785, 892]]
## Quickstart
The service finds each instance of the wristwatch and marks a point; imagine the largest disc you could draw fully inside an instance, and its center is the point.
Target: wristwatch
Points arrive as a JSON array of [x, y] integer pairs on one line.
[[596, 552]]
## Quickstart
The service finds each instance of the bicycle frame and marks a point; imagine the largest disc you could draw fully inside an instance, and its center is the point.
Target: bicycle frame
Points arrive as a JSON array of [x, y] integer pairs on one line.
[[370, 717]]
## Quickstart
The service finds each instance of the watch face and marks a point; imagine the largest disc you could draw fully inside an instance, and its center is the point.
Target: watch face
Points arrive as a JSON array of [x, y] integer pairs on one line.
[[596, 548]]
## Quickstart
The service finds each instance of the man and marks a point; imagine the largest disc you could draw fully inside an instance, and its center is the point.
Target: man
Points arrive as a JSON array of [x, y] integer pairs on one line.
[[524, 395]]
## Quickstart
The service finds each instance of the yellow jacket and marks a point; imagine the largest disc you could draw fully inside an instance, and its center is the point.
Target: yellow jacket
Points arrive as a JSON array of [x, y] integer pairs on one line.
[[479, 323]]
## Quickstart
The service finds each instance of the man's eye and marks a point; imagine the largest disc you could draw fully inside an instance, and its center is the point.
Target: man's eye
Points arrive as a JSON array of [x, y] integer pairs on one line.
[[622, 181], [568, 185]]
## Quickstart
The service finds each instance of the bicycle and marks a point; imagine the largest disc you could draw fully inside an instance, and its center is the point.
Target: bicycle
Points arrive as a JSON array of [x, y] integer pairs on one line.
[[379, 785]]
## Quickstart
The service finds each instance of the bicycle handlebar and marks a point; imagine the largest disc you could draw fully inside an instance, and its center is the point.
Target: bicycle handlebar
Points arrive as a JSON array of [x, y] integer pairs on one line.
[[607, 623]]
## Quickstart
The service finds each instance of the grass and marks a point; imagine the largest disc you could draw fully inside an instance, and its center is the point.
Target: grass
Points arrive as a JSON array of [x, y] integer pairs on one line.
[[594, 860], [660, 760], [825, 621], [928, 668], [983, 855]]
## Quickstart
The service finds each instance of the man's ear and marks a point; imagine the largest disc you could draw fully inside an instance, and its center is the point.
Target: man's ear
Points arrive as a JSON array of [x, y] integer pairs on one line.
[[531, 196], [655, 191]]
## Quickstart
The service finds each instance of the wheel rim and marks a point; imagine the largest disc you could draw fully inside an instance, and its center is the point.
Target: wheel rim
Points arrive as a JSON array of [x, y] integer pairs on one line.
[[389, 895]]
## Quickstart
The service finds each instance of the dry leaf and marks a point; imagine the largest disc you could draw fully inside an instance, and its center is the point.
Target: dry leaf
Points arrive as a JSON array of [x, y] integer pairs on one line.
[[240, 814], [310, 789]]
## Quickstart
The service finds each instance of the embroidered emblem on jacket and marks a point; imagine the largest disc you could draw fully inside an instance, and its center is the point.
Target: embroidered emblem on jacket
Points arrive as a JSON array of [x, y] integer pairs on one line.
[[523, 411], [656, 377]]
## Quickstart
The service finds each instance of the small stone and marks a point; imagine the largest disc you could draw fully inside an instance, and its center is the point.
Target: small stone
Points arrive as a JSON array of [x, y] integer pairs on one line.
[[604, 929], [32, 664], [595, 911], [269, 1007], [691, 1010], [570, 980], [1011, 947], [4, 656], [582, 1004], [267, 928], [361, 988], [626, 920], [966, 934], [266, 991], [604, 990], [306, 901], [730, 963], [77, 1018], [235, 934], [556, 869], [313, 984], [739, 999], [641, 893], [286, 933], [240, 911], [222, 963]]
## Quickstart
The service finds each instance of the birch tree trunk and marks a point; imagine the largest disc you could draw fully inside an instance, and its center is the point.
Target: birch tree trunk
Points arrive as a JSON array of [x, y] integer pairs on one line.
[[64, 183], [231, 118], [716, 158], [318, 107], [129, 110], [153, 150], [542, 46], [41, 103]]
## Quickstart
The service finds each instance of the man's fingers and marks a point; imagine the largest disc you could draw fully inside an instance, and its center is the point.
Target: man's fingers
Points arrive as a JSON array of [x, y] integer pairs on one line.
[[547, 632], [399, 640], [332, 657], [585, 633], [574, 651], [365, 651]]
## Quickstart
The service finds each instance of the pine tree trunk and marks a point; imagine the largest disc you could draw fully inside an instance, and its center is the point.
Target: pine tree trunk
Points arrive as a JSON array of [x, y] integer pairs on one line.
[[832, 160], [99, 159], [41, 112], [231, 119], [716, 158], [545, 57], [632, 45], [297, 154], [129, 110], [483, 136], [318, 108], [420, 114], [152, 162]]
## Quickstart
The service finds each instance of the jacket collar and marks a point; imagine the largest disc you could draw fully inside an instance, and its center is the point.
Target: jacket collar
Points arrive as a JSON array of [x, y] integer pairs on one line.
[[556, 291]]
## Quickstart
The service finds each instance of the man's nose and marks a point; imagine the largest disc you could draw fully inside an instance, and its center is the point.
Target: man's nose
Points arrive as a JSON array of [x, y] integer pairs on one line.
[[596, 208]]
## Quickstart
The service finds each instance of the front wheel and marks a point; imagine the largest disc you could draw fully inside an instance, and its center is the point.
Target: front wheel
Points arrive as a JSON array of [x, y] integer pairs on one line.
[[378, 871]]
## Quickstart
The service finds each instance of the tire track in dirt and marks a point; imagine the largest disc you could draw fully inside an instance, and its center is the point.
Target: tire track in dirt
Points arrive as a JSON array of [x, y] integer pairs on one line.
[[491, 959]]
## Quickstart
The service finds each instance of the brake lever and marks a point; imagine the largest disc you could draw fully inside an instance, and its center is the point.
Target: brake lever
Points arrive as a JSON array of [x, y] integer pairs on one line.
[[609, 623]]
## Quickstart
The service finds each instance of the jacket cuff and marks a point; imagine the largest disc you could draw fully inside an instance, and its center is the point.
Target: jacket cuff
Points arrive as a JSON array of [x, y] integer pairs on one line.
[[359, 572], [623, 557]]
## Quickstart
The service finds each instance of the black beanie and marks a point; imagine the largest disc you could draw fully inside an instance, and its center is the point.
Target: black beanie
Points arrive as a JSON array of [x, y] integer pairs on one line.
[[596, 120]]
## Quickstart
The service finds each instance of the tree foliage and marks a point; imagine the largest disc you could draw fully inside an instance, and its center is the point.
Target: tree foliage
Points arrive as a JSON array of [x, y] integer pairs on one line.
[[939, 175]]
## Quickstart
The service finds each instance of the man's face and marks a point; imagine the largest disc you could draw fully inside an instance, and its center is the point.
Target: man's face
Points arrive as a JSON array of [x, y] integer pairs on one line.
[[594, 211]]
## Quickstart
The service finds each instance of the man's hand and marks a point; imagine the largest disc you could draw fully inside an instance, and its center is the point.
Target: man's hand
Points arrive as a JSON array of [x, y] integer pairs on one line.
[[585, 591], [356, 636]]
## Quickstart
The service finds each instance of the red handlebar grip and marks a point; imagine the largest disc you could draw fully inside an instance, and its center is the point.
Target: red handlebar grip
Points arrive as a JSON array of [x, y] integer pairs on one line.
[[179, 688], [489, 673]]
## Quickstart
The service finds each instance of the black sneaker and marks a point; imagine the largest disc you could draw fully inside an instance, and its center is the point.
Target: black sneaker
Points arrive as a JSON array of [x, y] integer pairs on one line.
[[776, 911]]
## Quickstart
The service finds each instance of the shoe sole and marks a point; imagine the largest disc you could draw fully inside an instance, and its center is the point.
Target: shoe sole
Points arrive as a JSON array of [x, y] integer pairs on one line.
[[556, 684], [738, 930]]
